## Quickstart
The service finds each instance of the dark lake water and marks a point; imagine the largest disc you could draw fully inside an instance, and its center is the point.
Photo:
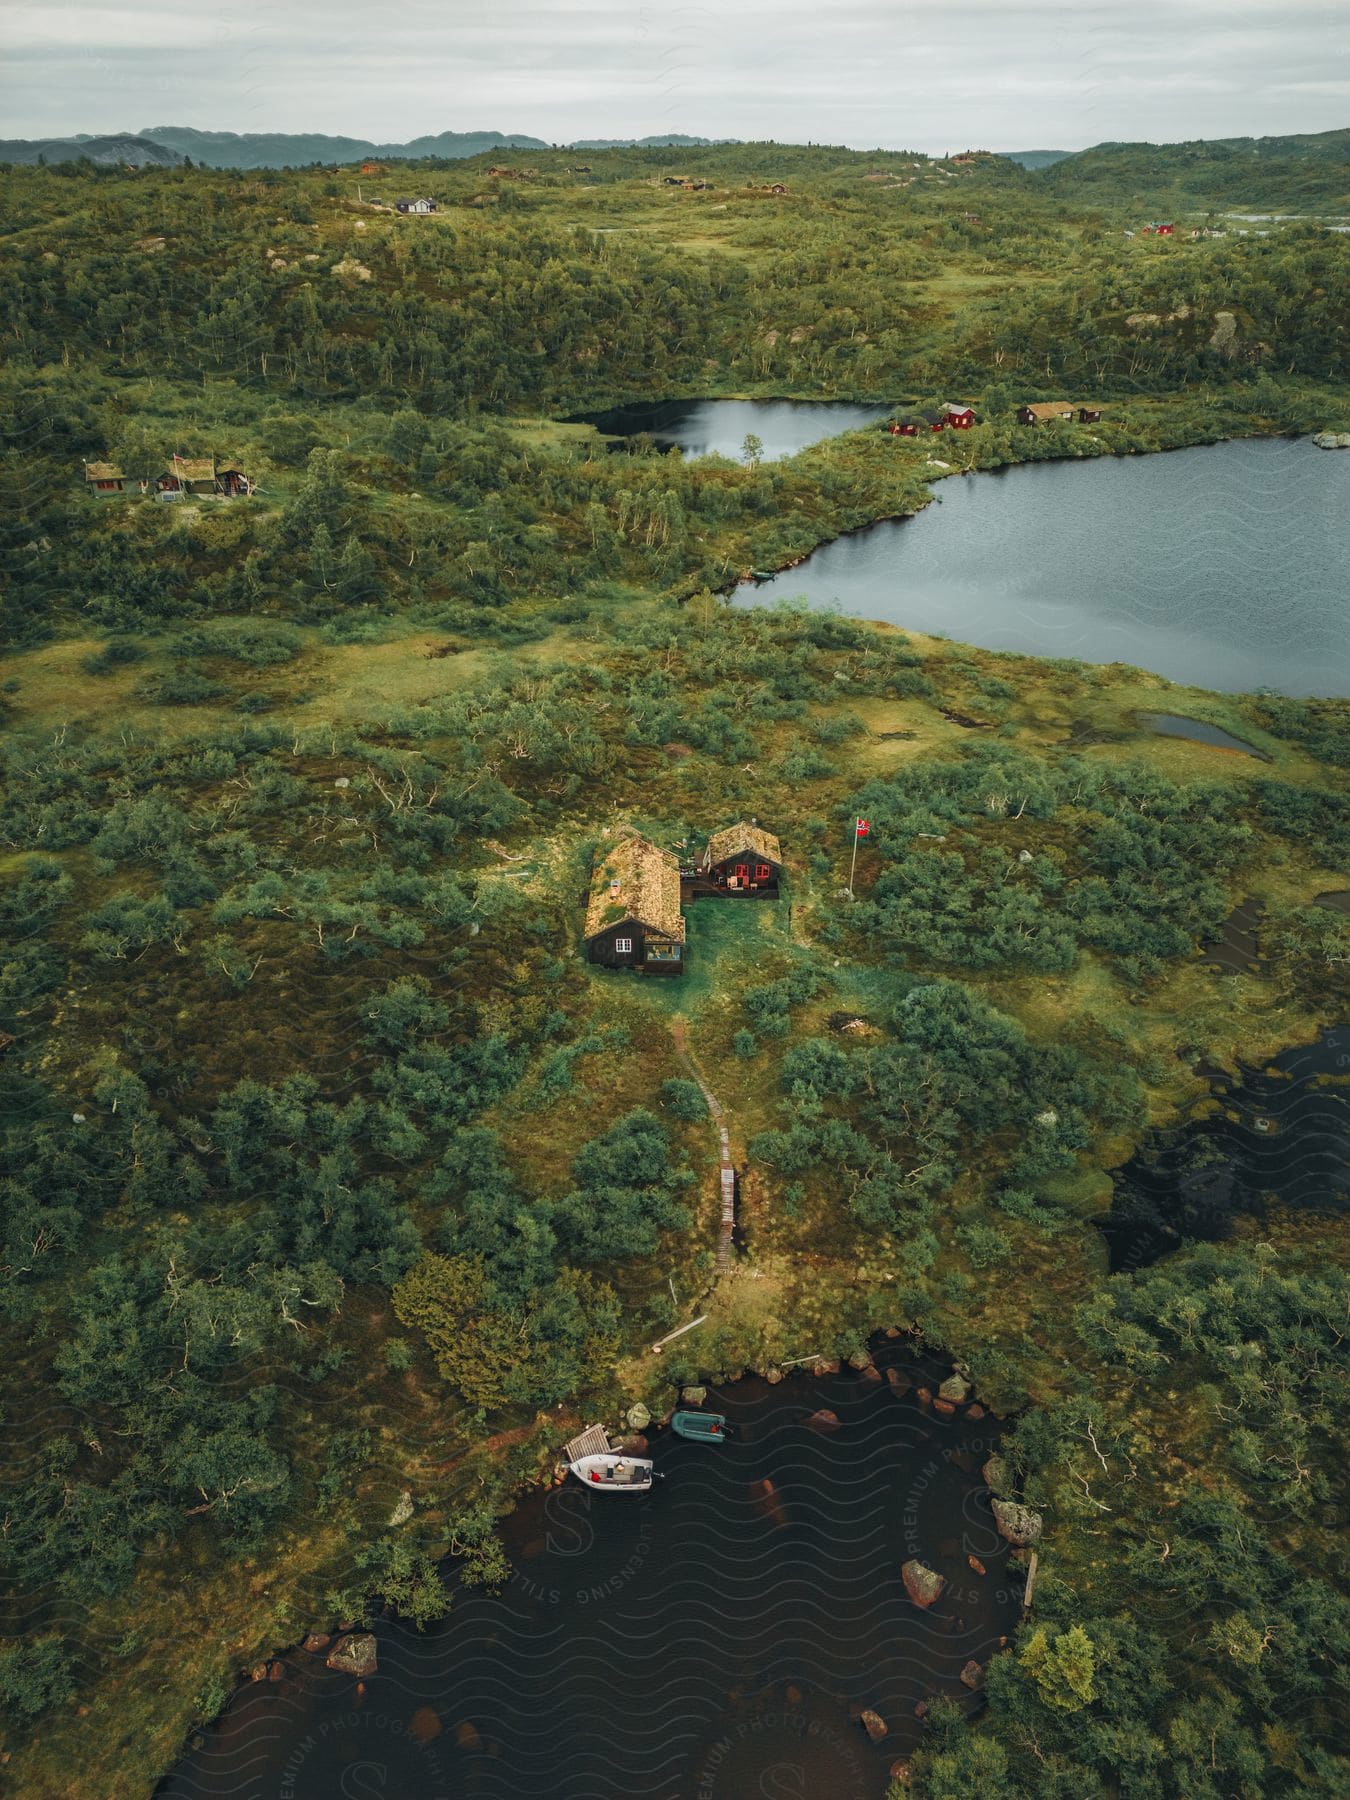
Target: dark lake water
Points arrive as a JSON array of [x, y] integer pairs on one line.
[[1289, 1144], [702, 427], [1226, 567], [706, 1641]]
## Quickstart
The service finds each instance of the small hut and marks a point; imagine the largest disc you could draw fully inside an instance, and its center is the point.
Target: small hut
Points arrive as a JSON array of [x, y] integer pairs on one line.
[[104, 479], [633, 917], [1044, 412], [187, 475], [743, 860]]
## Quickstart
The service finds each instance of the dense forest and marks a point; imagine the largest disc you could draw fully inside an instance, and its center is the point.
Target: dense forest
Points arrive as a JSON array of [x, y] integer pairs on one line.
[[332, 1173]]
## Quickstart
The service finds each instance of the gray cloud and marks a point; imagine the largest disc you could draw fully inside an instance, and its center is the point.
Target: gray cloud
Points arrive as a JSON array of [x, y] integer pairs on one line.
[[901, 73]]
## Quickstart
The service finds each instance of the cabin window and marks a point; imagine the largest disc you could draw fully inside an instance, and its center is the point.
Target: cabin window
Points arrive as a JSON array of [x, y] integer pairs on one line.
[[106, 484], [663, 953], [762, 871], [623, 946]]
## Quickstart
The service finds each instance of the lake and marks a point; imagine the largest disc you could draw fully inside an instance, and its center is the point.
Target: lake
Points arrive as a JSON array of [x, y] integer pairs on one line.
[[1280, 1135], [720, 427], [1223, 567], [715, 1638]]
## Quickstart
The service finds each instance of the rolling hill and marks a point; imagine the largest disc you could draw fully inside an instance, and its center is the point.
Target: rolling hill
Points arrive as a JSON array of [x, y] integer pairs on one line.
[[1295, 174]]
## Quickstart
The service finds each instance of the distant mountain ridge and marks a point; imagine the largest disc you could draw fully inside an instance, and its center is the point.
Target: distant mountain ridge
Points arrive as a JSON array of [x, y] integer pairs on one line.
[[119, 148], [279, 149], [282, 149], [1038, 159]]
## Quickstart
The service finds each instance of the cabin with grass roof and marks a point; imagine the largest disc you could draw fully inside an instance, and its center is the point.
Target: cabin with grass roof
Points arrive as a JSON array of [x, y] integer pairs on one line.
[[105, 479], [743, 861], [633, 917], [187, 475]]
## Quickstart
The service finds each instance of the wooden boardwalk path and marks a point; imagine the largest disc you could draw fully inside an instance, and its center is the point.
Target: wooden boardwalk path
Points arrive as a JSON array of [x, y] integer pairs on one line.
[[726, 1175]]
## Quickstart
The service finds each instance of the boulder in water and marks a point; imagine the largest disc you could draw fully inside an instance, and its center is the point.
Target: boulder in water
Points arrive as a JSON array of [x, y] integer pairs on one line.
[[901, 1772], [873, 1724], [353, 1655], [1332, 440], [922, 1584], [824, 1420], [900, 1383], [693, 1396], [1018, 1524], [945, 1409], [973, 1562], [954, 1388], [973, 1676], [316, 1641], [860, 1359], [997, 1475]]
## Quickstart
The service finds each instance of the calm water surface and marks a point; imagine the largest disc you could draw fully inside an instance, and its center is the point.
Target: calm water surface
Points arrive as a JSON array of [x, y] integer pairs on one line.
[[1226, 567], [711, 1640], [1287, 1142], [705, 427]]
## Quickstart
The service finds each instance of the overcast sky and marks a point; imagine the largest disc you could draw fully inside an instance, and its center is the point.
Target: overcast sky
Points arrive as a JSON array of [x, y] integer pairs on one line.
[[922, 74]]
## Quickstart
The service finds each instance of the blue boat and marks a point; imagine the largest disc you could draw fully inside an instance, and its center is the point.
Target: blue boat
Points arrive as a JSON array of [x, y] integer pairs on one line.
[[702, 1428]]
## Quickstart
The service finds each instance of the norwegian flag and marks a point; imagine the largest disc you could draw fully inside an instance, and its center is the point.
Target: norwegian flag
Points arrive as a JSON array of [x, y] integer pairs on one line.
[[861, 829]]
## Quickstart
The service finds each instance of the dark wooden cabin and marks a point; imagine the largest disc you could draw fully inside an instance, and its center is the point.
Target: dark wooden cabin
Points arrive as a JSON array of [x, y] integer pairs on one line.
[[741, 861], [1044, 412], [633, 917], [1089, 415]]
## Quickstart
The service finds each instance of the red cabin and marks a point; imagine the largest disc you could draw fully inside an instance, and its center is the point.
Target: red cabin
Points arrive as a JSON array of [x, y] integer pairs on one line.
[[743, 860], [1166, 230], [959, 418]]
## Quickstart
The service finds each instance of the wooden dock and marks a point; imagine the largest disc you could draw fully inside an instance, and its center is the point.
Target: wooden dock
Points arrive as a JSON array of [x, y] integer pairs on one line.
[[594, 1441]]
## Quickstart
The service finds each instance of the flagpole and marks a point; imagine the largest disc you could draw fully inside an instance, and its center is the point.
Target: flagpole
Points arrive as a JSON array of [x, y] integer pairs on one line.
[[854, 864]]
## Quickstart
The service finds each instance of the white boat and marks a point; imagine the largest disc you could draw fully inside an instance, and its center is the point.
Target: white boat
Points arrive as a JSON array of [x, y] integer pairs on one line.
[[610, 1473]]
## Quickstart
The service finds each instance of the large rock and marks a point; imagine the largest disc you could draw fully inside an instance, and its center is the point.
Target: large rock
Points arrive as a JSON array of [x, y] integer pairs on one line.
[[1332, 440], [874, 1725], [1018, 1524], [639, 1417], [824, 1420], [403, 1510], [693, 1396], [316, 1641], [973, 1676], [860, 1359], [997, 1475], [922, 1584], [353, 1655], [955, 1388]]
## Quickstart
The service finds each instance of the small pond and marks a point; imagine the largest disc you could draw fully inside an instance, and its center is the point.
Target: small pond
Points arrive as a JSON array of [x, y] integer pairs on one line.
[[1288, 1144], [1223, 567], [720, 427], [1196, 730], [714, 1638]]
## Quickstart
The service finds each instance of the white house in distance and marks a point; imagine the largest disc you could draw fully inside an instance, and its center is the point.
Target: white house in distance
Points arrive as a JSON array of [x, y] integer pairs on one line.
[[415, 206]]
